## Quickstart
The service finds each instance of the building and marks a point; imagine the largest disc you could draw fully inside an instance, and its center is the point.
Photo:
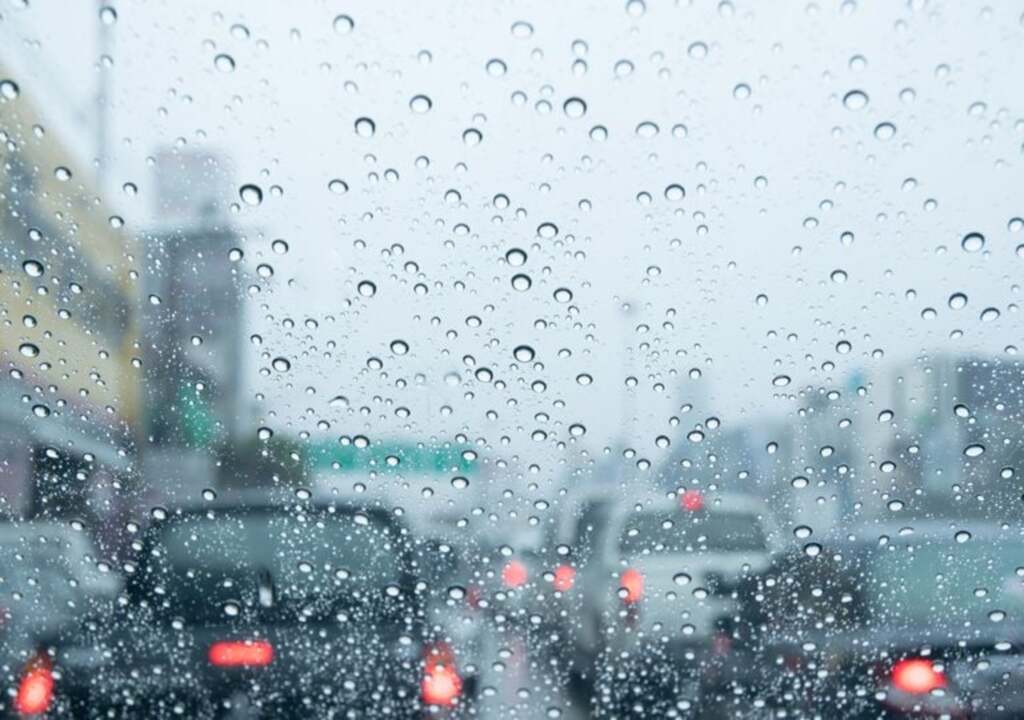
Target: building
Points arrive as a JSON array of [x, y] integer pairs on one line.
[[70, 372], [193, 325]]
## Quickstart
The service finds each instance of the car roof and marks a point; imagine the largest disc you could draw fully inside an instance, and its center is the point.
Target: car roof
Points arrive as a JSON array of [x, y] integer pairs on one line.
[[913, 531]]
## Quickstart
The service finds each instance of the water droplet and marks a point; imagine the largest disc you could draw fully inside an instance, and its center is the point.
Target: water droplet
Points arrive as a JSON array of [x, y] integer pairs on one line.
[[281, 364], [251, 194], [682, 578], [28, 350], [472, 137], [9, 89], [812, 550], [62, 173], [675, 192], [523, 353], [521, 282], [338, 186], [33, 268], [521, 29], [399, 347], [962, 536], [574, 107], [855, 100], [496, 67], [974, 450], [232, 608], [647, 130], [989, 314], [420, 104], [456, 592], [224, 62], [741, 91], [997, 616], [366, 288], [973, 242], [957, 301], [279, 246], [781, 380], [802, 532], [41, 411], [697, 50], [515, 257], [885, 131], [365, 127], [636, 8], [563, 295], [584, 379], [209, 495], [547, 230], [343, 24]]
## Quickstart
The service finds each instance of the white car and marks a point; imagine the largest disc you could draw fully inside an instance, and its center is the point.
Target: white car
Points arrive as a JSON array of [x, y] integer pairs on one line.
[[656, 577]]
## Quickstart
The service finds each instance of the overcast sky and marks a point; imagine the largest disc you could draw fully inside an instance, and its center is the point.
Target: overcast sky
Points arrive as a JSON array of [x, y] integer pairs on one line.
[[760, 92]]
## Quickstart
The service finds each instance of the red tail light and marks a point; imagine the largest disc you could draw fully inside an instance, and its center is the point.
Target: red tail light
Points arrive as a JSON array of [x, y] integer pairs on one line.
[[692, 500], [917, 676], [35, 691], [565, 576], [631, 584], [514, 574], [241, 653], [441, 684]]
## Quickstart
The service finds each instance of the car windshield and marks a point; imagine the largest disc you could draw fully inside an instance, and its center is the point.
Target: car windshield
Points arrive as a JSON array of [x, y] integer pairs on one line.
[[724, 532], [457, 360]]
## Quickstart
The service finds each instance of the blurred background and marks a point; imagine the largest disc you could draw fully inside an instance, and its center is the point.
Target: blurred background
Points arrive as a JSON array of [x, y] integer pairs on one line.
[[475, 263]]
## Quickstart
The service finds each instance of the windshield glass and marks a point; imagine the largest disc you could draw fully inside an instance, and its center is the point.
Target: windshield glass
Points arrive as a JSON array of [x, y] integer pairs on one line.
[[457, 360]]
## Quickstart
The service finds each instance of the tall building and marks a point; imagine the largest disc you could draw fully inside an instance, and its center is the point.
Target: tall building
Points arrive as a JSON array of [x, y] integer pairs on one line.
[[69, 329], [192, 319]]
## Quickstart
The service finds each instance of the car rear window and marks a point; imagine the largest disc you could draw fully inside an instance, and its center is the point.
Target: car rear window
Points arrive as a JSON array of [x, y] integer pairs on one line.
[[222, 564], [659, 532]]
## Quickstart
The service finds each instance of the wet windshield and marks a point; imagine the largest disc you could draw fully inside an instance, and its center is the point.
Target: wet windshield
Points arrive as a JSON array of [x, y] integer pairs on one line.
[[458, 360]]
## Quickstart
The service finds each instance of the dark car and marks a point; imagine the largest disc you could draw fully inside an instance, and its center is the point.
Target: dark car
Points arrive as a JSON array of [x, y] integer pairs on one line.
[[298, 610], [920, 621]]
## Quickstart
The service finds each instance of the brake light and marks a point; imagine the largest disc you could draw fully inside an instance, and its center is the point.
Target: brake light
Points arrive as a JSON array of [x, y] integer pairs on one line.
[[565, 576], [514, 574], [917, 676], [441, 684], [692, 501], [35, 691], [241, 653], [631, 584]]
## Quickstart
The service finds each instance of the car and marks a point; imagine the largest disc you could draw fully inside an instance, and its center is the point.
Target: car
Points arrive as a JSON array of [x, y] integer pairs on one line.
[[51, 576], [924, 619], [288, 609], [648, 592]]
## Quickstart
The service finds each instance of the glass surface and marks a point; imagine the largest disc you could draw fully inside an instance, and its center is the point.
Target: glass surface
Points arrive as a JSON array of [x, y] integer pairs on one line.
[[633, 359]]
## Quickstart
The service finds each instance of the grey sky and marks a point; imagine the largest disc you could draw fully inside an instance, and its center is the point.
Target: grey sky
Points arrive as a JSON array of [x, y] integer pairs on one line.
[[285, 116]]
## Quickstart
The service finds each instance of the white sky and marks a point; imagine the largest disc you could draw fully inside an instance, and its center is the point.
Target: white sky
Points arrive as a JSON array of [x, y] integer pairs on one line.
[[285, 117]]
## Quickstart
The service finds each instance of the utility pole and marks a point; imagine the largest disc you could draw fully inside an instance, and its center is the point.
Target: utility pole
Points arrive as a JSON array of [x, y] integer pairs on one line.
[[106, 17]]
